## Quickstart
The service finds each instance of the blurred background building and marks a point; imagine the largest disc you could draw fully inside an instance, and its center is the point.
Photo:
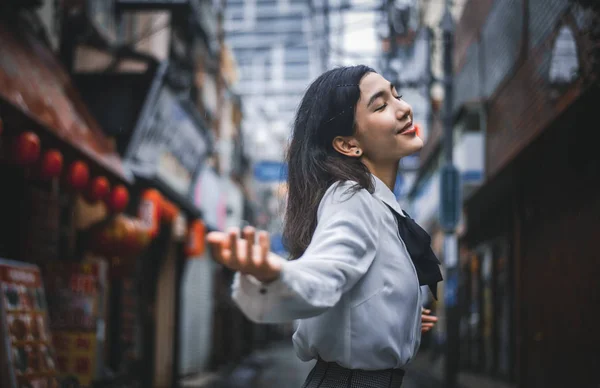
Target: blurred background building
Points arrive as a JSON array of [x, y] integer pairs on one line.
[[130, 128]]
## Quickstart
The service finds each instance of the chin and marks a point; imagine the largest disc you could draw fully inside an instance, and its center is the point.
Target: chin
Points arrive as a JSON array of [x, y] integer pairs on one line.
[[413, 146]]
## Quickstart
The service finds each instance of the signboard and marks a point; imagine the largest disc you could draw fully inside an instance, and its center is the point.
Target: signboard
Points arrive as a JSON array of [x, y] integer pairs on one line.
[[170, 143], [277, 246], [26, 355], [76, 305], [269, 171]]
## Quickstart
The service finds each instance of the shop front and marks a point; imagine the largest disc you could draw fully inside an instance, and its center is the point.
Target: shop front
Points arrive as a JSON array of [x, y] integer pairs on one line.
[[530, 246], [164, 142], [63, 186]]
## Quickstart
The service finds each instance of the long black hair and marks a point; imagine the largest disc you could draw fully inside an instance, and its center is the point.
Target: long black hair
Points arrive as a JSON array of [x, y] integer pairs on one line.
[[326, 111]]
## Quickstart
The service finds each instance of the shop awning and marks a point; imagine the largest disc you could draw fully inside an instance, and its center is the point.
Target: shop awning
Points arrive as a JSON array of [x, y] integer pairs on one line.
[[35, 83]]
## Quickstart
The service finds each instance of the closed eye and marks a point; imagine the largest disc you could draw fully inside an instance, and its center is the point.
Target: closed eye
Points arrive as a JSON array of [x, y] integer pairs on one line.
[[382, 107]]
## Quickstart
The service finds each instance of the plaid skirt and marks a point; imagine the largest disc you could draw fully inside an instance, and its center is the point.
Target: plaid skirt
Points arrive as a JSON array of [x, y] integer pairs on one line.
[[332, 375]]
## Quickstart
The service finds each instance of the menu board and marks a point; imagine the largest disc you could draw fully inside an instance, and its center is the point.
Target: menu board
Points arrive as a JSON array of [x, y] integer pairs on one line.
[[76, 304], [26, 356]]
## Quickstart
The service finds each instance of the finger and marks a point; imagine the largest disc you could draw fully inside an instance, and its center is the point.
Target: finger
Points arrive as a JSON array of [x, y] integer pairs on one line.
[[428, 325], [226, 259], [426, 311], [256, 255], [233, 244], [215, 237], [249, 236], [214, 240], [425, 329], [429, 318], [265, 245]]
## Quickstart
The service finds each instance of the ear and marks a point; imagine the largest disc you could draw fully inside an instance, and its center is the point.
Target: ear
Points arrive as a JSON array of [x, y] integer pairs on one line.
[[347, 145]]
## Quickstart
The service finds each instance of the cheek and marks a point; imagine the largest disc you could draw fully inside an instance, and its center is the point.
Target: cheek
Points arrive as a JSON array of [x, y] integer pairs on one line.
[[383, 125]]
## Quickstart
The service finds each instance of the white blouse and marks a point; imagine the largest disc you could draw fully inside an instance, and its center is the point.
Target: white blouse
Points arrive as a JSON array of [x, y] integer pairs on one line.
[[355, 289]]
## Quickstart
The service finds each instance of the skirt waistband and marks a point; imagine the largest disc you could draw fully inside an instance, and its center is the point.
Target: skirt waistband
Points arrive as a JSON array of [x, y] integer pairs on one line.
[[331, 374]]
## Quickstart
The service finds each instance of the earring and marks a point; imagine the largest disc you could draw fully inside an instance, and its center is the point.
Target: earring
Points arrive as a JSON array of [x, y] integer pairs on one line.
[[357, 152]]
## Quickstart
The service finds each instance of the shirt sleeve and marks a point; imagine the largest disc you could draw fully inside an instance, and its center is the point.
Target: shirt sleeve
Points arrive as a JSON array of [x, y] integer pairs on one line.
[[342, 249]]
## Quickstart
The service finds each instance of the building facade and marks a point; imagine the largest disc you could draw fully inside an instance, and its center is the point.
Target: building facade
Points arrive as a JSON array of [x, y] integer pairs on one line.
[[522, 96]]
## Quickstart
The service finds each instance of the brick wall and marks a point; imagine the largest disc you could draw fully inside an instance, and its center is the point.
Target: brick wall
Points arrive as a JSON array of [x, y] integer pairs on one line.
[[490, 63], [527, 103]]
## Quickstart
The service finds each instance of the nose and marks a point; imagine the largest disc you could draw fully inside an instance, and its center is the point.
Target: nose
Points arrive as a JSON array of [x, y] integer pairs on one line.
[[403, 110]]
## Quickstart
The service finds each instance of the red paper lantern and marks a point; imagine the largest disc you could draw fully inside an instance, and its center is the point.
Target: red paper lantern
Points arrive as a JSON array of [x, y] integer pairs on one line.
[[118, 199], [418, 130], [26, 148], [52, 164], [98, 189], [169, 211], [78, 175]]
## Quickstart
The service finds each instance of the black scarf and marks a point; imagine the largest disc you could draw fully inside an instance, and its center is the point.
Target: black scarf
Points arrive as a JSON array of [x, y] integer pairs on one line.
[[418, 245]]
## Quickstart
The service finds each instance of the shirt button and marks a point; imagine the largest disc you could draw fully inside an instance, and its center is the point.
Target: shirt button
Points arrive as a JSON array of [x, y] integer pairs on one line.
[[263, 290]]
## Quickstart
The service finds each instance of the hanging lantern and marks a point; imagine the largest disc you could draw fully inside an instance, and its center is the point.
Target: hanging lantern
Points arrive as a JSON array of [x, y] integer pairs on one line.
[[98, 189], [118, 199], [27, 148], [150, 211], [196, 237], [78, 175], [418, 130], [169, 211], [52, 164]]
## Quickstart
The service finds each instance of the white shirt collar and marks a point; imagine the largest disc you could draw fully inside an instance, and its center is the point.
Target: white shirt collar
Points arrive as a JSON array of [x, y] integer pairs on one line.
[[386, 195]]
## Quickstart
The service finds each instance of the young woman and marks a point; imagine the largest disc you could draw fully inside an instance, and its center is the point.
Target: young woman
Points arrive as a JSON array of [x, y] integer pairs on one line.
[[357, 259]]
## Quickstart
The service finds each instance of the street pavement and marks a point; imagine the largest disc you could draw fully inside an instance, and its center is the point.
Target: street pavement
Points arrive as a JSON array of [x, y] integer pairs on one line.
[[280, 368]]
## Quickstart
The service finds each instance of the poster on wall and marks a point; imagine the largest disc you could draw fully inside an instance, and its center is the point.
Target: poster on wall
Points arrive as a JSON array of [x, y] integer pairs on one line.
[[27, 355], [76, 304]]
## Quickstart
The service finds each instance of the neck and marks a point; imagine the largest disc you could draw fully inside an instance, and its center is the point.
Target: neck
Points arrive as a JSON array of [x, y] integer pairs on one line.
[[387, 173]]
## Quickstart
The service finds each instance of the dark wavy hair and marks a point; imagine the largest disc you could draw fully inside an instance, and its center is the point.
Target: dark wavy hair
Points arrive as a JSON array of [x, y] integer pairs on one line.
[[326, 111]]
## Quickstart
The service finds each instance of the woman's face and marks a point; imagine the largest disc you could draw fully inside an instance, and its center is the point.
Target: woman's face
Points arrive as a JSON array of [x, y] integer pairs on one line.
[[384, 122]]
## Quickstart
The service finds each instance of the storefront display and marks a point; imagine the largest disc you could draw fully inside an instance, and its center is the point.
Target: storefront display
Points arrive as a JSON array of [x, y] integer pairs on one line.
[[487, 337], [53, 155], [27, 354], [76, 301]]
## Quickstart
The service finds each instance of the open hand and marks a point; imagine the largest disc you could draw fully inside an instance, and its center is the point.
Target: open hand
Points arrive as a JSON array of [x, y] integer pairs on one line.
[[243, 255], [427, 321]]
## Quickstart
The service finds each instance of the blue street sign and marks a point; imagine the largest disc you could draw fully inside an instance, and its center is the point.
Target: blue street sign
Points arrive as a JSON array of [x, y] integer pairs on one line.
[[269, 171], [450, 201], [277, 245], [451, 291]]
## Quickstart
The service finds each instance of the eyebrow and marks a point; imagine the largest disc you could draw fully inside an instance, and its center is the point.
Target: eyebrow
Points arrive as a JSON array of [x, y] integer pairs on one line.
[[378, 94]]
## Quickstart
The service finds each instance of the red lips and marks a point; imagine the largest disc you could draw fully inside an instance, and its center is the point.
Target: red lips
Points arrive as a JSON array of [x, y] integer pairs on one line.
[[407, 129]]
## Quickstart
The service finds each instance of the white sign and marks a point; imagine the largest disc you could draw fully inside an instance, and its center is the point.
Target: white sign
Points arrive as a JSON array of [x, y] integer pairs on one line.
[[564, 64]]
